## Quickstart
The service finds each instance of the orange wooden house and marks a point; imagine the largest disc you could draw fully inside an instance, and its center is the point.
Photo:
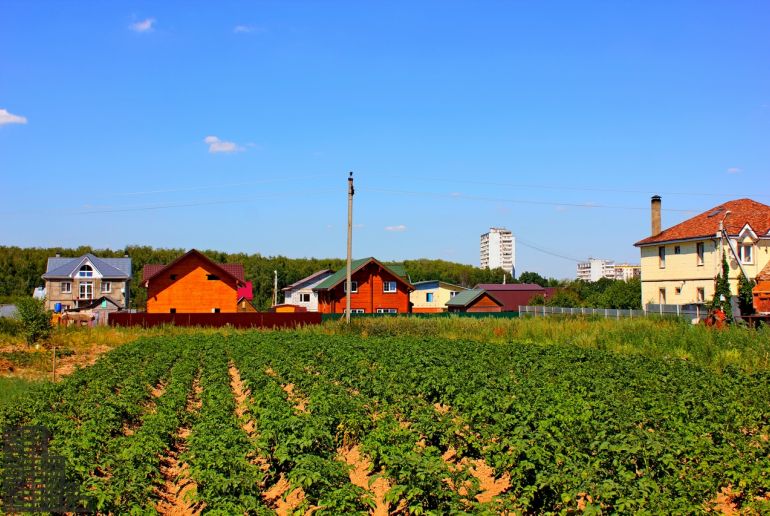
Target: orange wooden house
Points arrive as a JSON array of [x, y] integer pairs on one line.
[[377, 288], [193, 284]]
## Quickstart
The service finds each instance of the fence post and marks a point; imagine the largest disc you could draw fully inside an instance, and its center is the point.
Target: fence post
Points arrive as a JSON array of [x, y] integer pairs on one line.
[[678, 313]]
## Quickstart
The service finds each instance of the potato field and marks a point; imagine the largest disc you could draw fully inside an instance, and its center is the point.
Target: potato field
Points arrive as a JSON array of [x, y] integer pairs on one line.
[[265, 422]]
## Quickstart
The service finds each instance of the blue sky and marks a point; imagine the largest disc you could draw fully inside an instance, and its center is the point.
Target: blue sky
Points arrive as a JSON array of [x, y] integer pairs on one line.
[[232, 125]]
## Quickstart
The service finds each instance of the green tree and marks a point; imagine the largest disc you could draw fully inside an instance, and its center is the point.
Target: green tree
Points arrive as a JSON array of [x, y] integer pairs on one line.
[[622, 294], [533, 277], [565, 298], [35, 319], [722, 293], [745, 295]]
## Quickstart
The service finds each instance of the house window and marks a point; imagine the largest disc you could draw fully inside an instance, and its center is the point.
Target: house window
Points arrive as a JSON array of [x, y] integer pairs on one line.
[[387, 311], [662, 257], [452, 294], [429, 297], [86, 271], [745, 253], [678, 290], [677, 249], [357, 311], [662, 296], [172, 310], [106, 287], [215, 310], [86, 290], [172, 277], [66, 287], [354, 284], [304, 298], [389, 286], [701, 295], [212, 277], [700, 251]]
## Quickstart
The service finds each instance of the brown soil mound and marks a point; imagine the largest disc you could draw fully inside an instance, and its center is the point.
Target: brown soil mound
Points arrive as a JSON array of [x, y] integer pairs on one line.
[[360, 475], [176, 496], [299, 402], [283, 503], [489, 486]]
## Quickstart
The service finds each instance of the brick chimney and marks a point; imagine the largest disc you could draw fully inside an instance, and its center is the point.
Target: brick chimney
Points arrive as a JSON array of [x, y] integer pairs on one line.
[[655, 214]]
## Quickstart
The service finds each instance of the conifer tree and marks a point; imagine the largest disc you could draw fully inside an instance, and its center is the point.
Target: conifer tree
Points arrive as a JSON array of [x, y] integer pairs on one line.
[[745, 295], [722, 293]]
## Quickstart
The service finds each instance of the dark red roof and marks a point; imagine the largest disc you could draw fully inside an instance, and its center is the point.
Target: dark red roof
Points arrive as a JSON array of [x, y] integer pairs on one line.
[[235, 270], [508, 287], [151, 269], [706, 225]]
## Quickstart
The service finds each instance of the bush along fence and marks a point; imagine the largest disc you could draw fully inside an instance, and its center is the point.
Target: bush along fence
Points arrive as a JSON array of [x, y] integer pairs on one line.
[[236, 320], [434, 315], [693, 311]]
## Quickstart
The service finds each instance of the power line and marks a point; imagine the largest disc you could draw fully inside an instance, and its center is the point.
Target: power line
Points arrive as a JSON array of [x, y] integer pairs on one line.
[[571, 188], [516, 201], [545, 251], [151, 207]]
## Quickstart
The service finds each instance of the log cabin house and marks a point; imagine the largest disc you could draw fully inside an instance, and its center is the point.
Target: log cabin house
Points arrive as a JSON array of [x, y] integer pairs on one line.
[[376, 288]]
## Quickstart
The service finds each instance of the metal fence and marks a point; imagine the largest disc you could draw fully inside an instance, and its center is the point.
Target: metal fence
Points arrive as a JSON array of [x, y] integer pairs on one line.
[[686, 311]]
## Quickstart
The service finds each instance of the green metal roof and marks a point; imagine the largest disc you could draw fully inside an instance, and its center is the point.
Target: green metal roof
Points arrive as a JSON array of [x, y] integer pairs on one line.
[[466, 297], [397, 270]]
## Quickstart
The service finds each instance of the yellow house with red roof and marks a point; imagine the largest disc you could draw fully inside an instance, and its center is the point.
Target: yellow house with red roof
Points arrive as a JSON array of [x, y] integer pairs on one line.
[[679, 264]]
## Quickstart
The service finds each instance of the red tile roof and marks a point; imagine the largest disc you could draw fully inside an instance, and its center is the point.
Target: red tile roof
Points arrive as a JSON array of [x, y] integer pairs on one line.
[[233, 269], [706, 225]]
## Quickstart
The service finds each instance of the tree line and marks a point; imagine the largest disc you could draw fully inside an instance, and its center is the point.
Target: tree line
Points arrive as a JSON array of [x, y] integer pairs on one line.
[[21, 269]]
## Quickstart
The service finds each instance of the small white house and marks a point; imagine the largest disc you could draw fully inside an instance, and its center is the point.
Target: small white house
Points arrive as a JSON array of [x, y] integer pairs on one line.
[[301, 293]]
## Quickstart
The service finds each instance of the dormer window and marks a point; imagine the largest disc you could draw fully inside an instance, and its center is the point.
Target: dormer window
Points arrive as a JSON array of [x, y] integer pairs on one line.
[[86, 271], [745, 253]]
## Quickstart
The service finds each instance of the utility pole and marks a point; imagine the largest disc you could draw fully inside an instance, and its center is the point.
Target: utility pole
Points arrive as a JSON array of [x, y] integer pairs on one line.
[[351, 191], [275, 288]]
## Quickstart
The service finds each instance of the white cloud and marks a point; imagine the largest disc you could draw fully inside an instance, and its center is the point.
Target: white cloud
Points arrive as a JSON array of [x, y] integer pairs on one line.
[[217, 145], [397, 228], [10, 118], [734, 170], [142, 26], [246, 29]]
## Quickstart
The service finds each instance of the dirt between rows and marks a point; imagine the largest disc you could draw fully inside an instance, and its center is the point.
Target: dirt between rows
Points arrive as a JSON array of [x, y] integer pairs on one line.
[[178, 491], [279, 496]]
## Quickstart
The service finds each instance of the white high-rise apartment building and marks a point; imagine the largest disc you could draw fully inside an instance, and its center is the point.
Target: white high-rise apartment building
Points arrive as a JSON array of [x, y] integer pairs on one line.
[[498, 249], [595, 269]]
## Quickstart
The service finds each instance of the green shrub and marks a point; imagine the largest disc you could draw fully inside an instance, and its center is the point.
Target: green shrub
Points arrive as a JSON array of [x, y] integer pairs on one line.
[[35, 319]]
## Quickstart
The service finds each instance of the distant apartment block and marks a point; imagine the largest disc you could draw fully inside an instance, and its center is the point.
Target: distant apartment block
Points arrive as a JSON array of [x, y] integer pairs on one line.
[[627, 271], [498, 250], [595, 269]]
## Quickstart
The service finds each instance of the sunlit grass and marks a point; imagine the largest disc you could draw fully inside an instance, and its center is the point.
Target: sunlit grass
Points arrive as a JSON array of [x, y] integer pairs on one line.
[[668, 339]]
